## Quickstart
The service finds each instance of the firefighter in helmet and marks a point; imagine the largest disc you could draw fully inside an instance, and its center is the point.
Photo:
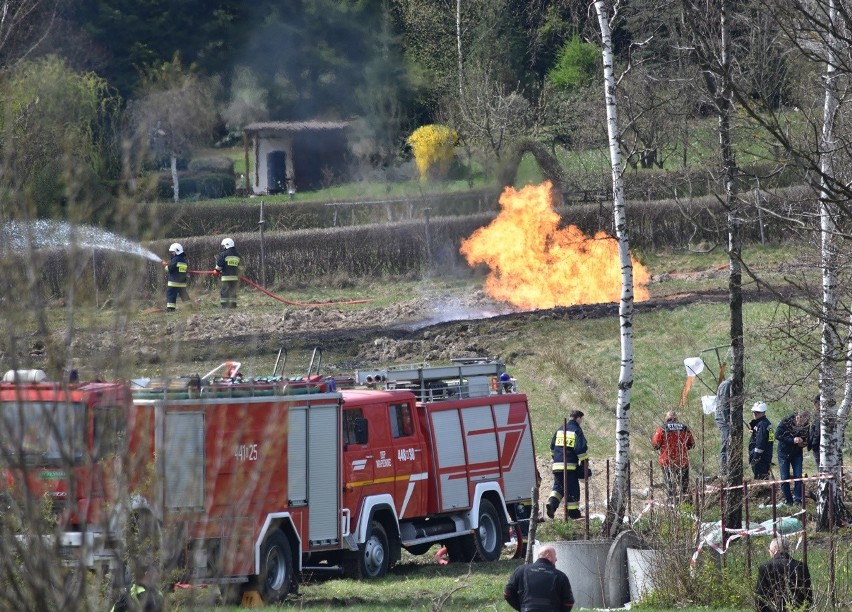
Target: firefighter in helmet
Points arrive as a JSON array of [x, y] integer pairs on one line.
[[570, 453], [228, 266], [178, 271]]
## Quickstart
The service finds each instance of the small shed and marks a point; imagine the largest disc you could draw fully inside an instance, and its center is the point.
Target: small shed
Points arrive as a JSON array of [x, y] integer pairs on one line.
[[294, 156]]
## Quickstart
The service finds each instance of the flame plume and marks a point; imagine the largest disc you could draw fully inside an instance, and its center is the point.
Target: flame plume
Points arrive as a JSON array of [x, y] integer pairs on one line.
[[535, 264]]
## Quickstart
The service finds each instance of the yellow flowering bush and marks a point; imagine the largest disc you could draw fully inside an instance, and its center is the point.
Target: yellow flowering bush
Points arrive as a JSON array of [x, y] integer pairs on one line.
[[433, 146]]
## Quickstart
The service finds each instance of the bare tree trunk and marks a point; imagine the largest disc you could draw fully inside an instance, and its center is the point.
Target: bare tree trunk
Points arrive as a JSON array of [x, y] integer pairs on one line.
[[831, 434], [459, 47], [735, 295], [715, 58], [620, 491], [175, 180]]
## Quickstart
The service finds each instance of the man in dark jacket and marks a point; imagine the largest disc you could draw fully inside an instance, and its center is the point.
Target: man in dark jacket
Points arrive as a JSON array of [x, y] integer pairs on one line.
[[783, 584], [792, 437], [723, 422], [539, 586], [228, 265], [570, 454], [761, 442]]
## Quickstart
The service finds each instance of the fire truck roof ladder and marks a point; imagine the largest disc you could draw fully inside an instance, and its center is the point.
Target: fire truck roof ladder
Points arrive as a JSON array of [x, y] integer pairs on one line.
[[467, 377]]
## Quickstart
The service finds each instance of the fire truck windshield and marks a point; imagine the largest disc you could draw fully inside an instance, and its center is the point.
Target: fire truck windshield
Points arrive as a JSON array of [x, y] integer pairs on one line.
[[42, 433]]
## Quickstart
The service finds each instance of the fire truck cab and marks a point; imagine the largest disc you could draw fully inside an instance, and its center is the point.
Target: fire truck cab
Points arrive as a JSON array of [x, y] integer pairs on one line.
[[439, 455]]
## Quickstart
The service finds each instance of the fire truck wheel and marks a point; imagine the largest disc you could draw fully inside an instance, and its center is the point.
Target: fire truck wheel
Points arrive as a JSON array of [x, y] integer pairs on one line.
[[276, 568], [373, 556], [489, 537]]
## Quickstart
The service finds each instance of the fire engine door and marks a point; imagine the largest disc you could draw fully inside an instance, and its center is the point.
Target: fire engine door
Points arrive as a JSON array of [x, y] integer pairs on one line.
[[357, 457], [409, 462]]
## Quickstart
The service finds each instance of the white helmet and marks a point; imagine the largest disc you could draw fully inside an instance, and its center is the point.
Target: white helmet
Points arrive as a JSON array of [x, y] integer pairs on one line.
[[176, 248], [758, 407], [227, 243]]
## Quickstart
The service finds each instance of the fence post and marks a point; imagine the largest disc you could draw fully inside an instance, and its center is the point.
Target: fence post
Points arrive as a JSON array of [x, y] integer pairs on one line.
[[261, 224], [722, 522], [748, 539], [832, 590]]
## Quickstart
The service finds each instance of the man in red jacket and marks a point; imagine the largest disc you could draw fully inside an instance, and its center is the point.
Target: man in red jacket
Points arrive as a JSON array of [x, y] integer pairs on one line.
[[673, 439]]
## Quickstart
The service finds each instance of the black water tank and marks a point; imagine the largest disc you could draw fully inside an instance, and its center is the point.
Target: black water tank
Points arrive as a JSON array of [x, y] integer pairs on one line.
[[276, 172]]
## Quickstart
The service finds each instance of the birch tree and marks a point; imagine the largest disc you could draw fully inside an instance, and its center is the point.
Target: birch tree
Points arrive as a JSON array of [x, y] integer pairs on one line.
[[618, 500]]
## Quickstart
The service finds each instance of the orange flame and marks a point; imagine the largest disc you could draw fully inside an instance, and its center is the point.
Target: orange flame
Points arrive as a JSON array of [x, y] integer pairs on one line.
[[536, 264]]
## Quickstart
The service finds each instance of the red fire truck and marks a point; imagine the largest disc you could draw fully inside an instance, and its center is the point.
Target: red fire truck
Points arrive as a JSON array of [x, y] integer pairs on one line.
[[251, 481], [58, 446]]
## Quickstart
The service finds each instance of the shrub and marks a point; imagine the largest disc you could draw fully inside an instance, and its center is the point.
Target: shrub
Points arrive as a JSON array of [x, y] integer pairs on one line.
[[433, 147], [197, 185], [577, 65], [217, 165]]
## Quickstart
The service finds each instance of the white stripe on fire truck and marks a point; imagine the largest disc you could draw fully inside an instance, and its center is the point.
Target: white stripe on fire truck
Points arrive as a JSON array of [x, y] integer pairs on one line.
[[359, 464], [410, 490]]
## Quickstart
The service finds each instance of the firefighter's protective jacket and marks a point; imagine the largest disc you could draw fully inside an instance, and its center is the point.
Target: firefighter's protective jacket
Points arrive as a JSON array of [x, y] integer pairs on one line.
[[178, 270], [573, 442], [761, 442], [228, 263], [673, 439]]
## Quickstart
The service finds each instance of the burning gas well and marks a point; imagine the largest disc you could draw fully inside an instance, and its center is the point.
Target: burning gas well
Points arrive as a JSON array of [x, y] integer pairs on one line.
[[536, 264]]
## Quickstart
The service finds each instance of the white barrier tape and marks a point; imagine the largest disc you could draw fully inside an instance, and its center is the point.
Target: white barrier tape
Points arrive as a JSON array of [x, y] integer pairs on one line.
[[761, 529], [766, 483]]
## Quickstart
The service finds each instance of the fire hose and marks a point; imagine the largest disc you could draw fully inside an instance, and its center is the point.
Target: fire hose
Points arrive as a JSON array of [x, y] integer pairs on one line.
[[281, 299]]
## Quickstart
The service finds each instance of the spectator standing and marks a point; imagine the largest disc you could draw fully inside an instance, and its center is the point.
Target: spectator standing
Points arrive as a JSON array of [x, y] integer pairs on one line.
[[792, 436], [813, 433], [539, 586], [570, 453], [177, 269], [761, 442], [783, 583], [228, 264], [673, 440], [723, 422]]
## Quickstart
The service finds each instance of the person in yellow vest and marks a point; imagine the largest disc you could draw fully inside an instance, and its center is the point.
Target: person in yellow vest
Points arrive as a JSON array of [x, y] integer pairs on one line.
[[228, 266], [178, 271], [139, 597], [570, 455]]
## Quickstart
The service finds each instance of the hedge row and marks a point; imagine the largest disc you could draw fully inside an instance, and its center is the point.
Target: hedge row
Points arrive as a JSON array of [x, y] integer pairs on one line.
[[201, 185], [191, 219], [394, 249]]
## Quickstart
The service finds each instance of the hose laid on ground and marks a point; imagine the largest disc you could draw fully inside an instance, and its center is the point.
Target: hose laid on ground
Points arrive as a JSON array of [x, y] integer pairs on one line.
[[281, 299]]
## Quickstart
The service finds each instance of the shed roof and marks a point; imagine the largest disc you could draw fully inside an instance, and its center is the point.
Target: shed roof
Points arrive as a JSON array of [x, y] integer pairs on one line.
[[281, 127]]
